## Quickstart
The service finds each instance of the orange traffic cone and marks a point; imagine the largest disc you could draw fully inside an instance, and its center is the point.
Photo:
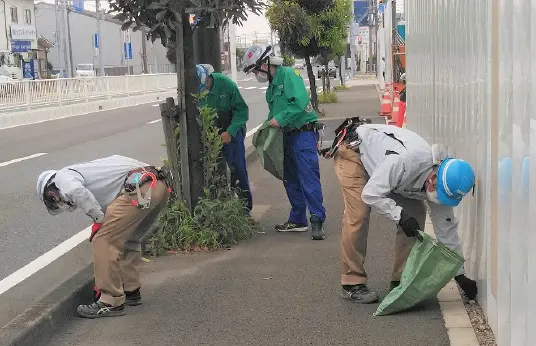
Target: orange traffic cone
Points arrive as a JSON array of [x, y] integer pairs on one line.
[[396, 105], [386, 107], [401, 119]]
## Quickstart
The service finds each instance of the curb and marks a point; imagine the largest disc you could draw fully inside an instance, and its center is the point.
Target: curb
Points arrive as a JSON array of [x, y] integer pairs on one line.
[[459, 327], [50, 313]]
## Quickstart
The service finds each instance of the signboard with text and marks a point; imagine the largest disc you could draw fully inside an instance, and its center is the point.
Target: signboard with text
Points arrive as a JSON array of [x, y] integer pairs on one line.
[[21, 46], [23, 32]]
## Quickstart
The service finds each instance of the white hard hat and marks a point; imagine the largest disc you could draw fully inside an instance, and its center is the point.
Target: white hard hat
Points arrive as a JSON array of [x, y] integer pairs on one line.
[[258, 54], [42, 181], [203, 72]]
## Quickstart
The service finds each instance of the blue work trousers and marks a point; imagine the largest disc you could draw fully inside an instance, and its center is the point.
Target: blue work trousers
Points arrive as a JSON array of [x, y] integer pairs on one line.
[[235, 155], [302, 176]]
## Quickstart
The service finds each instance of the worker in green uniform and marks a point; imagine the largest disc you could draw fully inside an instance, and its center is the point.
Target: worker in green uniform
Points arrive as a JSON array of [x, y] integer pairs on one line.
[[291, 110], [222, 94]]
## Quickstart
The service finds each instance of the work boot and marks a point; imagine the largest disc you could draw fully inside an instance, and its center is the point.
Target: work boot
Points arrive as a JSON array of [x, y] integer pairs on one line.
[[467, 285], [359, 294], [317, 228], [291, 227], [394, 284], [133, 298], [100, 309]]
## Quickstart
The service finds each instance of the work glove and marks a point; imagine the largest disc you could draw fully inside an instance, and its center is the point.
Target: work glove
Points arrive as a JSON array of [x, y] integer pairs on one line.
[[94, 229], [409, 225]]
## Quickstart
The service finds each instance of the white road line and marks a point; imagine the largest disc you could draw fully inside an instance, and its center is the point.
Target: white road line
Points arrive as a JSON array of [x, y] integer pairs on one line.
[[156, 105], [240, 87], [3, 164], [252, 131], [249, 88], [154, 121], [43, 260], [263, 88]]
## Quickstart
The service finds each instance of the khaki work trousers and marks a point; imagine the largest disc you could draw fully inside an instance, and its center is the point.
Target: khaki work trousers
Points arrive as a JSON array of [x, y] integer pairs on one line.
[[117, 247], [355, 224]]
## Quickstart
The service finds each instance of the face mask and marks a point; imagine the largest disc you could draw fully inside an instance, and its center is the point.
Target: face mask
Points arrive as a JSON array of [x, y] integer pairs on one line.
[[432, 197], [262, 77]]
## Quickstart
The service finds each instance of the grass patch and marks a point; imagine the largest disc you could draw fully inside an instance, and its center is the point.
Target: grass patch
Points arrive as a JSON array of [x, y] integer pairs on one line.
[[328, 97], [340, 87]]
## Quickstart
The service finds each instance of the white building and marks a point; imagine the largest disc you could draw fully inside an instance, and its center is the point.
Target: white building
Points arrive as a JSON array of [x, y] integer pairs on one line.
[[18, 35]]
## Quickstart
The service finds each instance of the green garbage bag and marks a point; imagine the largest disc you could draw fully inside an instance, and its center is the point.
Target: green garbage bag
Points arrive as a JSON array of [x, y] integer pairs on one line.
[[430, 266], [268, 142]]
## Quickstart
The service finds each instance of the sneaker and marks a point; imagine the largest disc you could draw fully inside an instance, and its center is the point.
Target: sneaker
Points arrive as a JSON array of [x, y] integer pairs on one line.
[[394, 284], [100, 309], [317, 228], [133, 298], [467, 285], [359, 294], [291, 227]]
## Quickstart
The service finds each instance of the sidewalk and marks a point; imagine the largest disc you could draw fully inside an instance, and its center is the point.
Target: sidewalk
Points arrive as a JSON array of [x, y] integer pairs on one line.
[[275, 289]]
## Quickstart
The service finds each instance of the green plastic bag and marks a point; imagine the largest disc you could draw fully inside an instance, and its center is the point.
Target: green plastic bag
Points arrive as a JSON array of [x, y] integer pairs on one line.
[[268, 142], [430, 266]]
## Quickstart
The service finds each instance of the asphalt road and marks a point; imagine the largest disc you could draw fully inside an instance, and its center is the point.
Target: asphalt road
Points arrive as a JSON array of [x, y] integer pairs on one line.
[[26, 229]]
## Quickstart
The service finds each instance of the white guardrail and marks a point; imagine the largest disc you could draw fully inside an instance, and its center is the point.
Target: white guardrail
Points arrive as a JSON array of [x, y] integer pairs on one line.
[[27, 102]]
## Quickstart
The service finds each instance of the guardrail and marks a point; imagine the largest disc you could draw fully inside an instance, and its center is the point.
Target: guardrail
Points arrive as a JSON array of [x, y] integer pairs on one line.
[[32, 94]]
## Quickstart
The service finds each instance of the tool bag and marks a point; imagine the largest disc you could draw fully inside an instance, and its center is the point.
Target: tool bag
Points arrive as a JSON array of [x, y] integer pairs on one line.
[[346, 132], [268, 143], [430, 266]]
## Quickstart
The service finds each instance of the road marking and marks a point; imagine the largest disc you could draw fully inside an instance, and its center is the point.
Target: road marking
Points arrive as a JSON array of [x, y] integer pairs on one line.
[[263, 88], [43, 260], [249, 88], [3, 164], [154, 121], [246, 80], [156, 105], [252, 131], [240, 87]]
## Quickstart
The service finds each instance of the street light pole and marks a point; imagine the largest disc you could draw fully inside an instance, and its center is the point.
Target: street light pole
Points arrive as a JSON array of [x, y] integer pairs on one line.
[[59, 38], [232, 53], [99, 48]]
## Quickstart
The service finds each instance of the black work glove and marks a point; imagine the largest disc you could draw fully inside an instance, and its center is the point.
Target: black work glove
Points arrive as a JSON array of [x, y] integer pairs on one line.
[[409, 225]]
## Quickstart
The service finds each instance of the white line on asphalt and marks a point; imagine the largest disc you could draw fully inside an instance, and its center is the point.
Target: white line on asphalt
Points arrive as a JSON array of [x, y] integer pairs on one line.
[[43, 260], [240, 87], [154, 121], [252, 131], [156, 105], [249, 88], [263, 88], [2, 164]]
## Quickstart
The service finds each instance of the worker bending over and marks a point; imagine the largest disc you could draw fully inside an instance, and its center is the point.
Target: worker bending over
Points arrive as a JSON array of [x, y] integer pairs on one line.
[[123, 197], [291, 110]]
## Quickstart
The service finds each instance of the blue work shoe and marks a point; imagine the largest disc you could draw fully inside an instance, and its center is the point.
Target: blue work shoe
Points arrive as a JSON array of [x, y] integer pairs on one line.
[[317, 228]]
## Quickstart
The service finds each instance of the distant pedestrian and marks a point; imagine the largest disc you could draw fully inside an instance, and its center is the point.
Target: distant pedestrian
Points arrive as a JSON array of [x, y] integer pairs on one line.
[[123, 197], [291, 110]]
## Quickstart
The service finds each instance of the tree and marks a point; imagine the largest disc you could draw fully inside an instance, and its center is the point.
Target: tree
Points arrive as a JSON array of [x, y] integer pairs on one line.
[[311, 28], [168, 20]]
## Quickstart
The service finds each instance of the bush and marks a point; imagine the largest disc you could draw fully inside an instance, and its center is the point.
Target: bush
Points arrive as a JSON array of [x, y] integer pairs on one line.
[[219, 218], [340, 87], [328, 97]]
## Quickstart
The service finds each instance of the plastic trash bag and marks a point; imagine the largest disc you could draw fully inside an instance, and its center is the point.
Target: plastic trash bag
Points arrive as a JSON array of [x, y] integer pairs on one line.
[[268, 142], [430, 266]]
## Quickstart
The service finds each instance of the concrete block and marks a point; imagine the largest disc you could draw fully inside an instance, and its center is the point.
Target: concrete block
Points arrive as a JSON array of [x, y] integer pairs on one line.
[[462, 337], [455, 315]]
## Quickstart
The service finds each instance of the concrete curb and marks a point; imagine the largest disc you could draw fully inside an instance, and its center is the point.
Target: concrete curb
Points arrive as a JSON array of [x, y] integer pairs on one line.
[[50, 313], [459, 327]]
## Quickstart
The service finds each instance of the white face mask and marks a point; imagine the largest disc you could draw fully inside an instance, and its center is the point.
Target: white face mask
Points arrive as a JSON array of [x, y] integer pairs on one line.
[[262, 77], [432, 197]]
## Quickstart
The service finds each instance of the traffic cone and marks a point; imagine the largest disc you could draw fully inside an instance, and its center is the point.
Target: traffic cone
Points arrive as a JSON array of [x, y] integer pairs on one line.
[[394, 115], [401, 119], [386, 108]]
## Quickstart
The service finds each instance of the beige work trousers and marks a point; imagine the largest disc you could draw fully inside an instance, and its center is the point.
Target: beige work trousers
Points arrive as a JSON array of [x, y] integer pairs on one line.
[[117, 247], [355, 224]]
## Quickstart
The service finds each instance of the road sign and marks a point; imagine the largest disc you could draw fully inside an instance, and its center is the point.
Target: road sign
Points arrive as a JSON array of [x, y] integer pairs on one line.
[[127, 50], [21, 46], [96, 40], [78, 5]]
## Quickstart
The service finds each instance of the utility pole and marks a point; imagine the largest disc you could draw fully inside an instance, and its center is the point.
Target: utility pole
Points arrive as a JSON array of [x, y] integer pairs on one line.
[[68, 10], [232, 53], [370, 25], [59, 38], [99, 48], [65, 26]]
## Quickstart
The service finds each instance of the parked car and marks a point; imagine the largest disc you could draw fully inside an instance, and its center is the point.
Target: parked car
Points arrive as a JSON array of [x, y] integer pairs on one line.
[[299, 64], [332, 70]]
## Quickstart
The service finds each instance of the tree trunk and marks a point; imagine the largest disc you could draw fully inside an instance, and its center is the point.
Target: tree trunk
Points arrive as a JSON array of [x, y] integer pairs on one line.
[[340, 74], [312, 82], [328, 86], [207, 49]]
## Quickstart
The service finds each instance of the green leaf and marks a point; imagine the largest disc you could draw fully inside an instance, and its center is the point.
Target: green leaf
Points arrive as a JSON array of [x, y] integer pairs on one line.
[[161, 15], [125, 26]]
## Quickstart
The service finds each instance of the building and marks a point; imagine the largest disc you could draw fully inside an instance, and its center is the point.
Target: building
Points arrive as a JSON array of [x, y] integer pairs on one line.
[[82, 29], [18, 36]]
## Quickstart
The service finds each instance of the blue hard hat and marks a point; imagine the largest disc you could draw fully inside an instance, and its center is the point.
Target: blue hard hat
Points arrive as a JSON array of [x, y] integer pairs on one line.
[[203, 72], [455, 178]]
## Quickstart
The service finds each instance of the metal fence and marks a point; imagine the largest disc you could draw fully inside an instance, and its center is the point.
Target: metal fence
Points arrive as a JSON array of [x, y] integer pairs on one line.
[[472, 85], [27, 95]]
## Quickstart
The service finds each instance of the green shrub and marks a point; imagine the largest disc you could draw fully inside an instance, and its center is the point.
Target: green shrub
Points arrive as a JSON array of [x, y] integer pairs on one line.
[[340, 87], [328, 97], [219, 218]]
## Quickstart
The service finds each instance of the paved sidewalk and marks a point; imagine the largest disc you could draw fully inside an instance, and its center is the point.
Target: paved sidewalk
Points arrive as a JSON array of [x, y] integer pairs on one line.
[[275, 289]]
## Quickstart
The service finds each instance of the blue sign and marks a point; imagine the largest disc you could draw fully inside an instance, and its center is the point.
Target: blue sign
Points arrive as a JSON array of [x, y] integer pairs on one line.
[[78, 5], [127, 50], [28, 71], [21, 46], [381, 8], [361, 12], [96, 40]]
